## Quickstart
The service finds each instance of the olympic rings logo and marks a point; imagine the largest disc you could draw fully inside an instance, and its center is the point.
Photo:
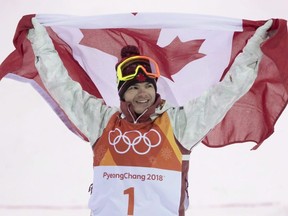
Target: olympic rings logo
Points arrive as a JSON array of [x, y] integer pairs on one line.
[[131, 142]]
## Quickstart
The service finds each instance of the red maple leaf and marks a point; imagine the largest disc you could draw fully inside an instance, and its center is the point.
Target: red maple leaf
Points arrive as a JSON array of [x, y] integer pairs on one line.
[[171, 59]]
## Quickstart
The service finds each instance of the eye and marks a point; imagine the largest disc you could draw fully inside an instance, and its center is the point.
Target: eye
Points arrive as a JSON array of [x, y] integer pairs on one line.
[[132, 87], [149, 85]]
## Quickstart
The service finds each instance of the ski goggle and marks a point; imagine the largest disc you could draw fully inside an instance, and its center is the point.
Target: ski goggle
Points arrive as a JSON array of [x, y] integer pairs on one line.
[[129, 68]]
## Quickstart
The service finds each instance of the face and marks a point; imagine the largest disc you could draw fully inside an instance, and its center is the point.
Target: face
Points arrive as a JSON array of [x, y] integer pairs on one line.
[[141, 96]]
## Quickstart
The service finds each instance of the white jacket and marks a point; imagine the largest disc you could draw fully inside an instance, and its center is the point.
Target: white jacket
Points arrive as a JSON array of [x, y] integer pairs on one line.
[[190, 123]]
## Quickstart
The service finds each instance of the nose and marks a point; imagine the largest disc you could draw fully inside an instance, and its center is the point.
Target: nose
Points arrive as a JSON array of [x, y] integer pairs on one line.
[[141, 91]]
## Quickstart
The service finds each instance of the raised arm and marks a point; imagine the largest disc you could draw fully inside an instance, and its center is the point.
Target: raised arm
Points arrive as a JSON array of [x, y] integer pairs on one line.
[[202, 114], [87, 113]]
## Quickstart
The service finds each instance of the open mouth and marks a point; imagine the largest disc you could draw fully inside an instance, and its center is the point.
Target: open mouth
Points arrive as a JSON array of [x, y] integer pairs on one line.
[[142, 101]]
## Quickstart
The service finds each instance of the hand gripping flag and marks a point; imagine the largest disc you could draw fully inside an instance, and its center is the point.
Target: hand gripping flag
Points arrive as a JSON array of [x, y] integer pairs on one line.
[[193, 53]]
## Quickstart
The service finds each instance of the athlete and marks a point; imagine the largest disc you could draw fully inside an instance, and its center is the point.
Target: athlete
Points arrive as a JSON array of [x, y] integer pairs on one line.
[[141, 150]]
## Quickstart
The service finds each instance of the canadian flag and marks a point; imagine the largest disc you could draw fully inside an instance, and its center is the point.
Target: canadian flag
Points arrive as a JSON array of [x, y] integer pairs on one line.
[[193, 53]]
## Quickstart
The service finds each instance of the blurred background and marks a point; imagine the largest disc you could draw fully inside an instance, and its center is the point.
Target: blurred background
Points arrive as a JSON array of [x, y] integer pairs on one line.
[[46, 170]]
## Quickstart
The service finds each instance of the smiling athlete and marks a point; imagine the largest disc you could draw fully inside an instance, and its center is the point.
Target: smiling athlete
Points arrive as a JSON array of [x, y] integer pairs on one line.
[[146, 137]]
